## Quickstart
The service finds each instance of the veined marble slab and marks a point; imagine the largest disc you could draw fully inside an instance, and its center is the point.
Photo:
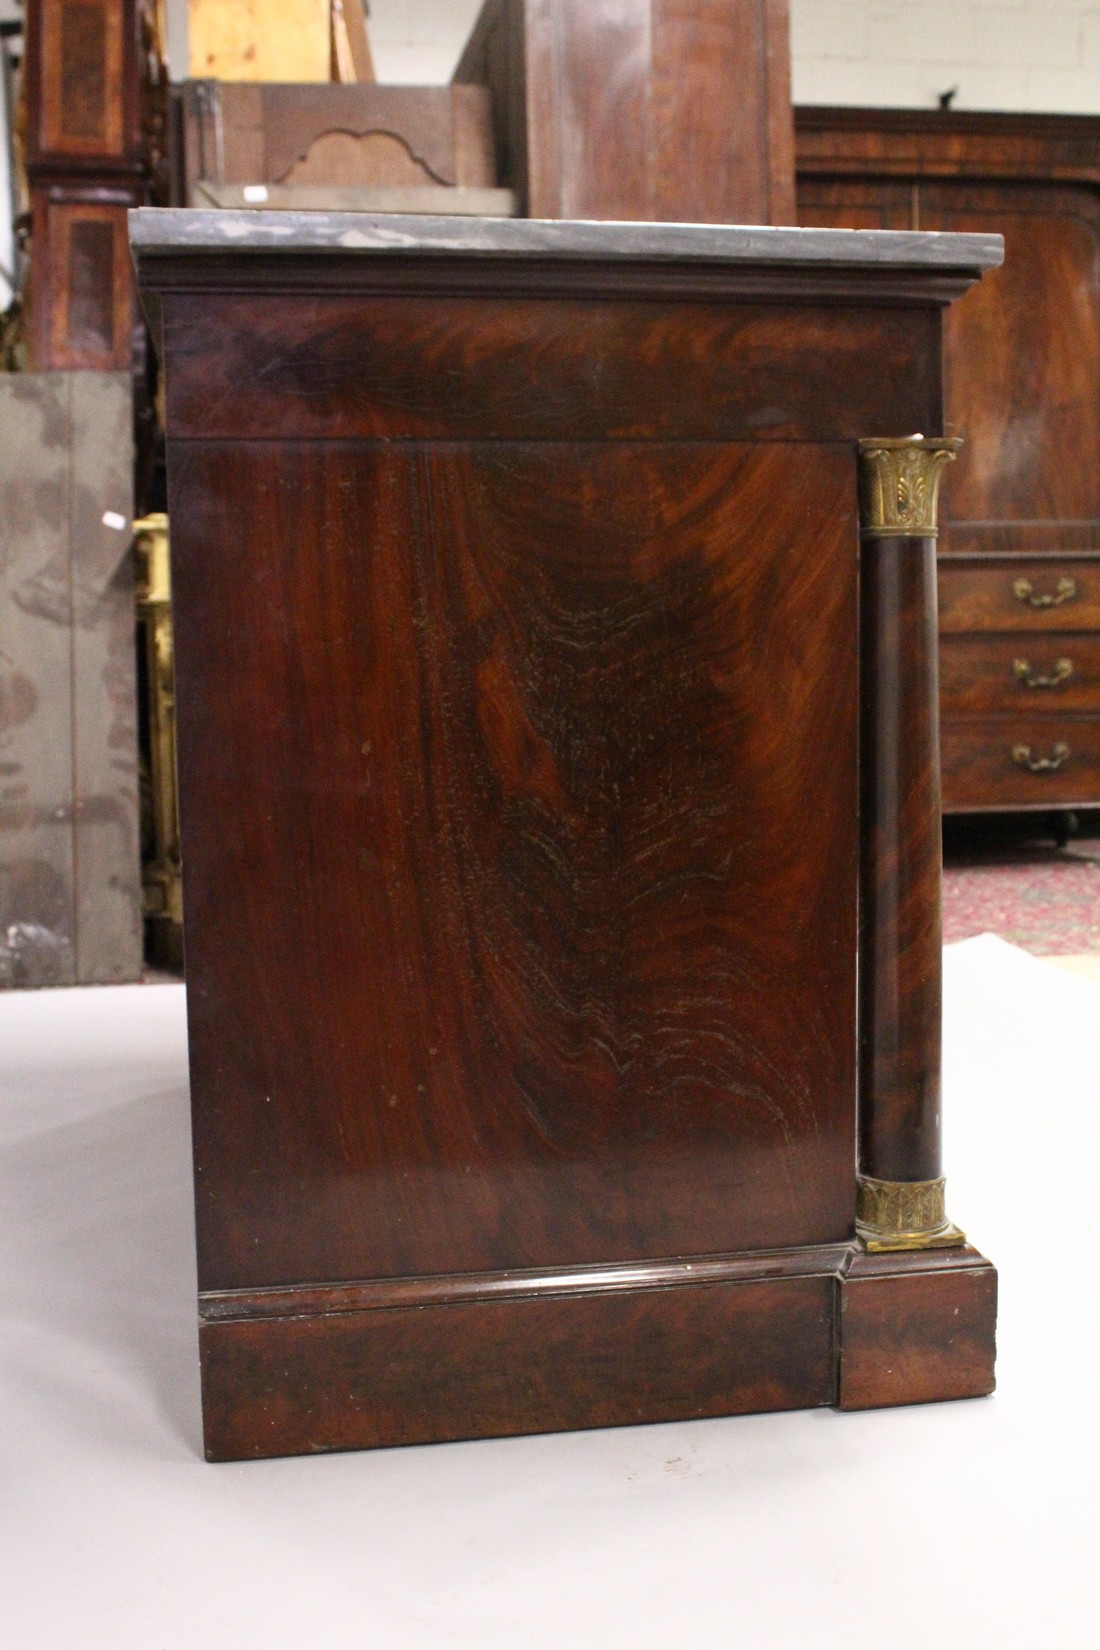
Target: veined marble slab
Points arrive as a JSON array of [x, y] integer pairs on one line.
[[175, 230]]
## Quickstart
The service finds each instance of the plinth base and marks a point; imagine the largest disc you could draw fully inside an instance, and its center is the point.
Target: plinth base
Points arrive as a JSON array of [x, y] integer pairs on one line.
[[298, 1370], [916, 1327]]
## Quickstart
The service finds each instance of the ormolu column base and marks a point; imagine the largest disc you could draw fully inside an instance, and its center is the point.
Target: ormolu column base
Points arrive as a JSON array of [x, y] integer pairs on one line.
[[903, 1214]]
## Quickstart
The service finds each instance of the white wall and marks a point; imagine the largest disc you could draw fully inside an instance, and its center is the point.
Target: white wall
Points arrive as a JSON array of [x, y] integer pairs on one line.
[[1002, 54], [419, 40]]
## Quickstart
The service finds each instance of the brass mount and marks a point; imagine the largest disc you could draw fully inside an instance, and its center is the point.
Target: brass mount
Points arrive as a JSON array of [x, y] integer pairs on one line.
[[903, 1214], [899, 484]]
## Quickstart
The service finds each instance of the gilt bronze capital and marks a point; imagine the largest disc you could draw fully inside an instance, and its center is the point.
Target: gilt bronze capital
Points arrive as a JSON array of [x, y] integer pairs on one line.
[[899, 483]]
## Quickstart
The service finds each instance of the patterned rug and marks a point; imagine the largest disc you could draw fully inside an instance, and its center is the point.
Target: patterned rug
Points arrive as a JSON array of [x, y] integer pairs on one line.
[[1044, 899]]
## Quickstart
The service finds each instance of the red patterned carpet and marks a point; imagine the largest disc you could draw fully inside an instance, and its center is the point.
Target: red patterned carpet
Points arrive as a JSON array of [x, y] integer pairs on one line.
[[1042, 898]]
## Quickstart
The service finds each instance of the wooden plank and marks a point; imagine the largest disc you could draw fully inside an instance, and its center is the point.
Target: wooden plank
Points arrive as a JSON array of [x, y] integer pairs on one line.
[[37, 915], [260, 39], [105, 743]]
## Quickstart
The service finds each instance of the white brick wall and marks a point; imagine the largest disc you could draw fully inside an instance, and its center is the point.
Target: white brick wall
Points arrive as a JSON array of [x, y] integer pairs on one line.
[[1002, 54], [420, 40]]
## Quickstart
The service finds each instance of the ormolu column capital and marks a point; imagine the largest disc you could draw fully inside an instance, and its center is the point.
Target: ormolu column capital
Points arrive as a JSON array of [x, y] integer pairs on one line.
[[899, 484]]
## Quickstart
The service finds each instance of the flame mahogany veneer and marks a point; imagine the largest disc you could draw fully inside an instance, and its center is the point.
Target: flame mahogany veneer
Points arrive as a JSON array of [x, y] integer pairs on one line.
[[516, 583]]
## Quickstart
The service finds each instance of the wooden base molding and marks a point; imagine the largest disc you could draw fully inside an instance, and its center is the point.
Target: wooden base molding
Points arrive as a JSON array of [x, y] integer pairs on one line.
[[428, 1360]]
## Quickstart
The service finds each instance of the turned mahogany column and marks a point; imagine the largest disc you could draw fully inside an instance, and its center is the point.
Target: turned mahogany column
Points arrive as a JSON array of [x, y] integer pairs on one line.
[[900, 1202]]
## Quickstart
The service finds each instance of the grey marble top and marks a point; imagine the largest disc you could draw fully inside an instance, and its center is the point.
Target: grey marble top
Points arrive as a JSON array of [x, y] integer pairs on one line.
[[173, 230]]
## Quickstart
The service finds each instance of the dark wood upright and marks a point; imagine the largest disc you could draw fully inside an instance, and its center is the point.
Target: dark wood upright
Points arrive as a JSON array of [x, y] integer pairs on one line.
[[92, 93], [1019, 551], [641, 109], [518, 679]]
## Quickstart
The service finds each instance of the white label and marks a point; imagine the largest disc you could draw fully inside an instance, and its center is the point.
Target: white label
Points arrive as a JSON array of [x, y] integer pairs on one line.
[[111, 518], [255, 191]]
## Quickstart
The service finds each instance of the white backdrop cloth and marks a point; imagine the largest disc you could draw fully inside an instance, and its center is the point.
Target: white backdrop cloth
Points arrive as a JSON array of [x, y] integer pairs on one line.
[[965, 1525]]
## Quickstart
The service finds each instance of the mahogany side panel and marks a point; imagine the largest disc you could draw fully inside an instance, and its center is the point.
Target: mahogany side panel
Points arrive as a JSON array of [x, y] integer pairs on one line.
[[391, 368], [915, 1329], [603, 110], [541, 982], [496, 1368]]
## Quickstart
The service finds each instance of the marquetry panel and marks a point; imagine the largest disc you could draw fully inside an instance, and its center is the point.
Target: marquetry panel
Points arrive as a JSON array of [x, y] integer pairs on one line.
[[82, 67], [90, 293]]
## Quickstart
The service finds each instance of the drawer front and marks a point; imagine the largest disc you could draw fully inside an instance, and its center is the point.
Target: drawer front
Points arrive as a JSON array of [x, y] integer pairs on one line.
[[1020, 762], [1049, 593], [1028, 674]]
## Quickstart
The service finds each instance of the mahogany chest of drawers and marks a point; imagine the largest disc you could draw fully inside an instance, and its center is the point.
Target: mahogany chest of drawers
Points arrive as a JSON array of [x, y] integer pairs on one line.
[[1020, 681], [1020, 542]]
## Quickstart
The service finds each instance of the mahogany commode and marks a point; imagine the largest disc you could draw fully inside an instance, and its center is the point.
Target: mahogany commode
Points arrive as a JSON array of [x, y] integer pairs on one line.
[[520, 695]]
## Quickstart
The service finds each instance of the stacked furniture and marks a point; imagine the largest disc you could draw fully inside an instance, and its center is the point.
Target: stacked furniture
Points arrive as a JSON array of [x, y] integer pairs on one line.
[[1019, 570], [362, 147]]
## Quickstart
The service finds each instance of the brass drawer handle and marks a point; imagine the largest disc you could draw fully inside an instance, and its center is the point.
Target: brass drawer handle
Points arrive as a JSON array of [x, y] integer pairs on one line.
[[1063, 670], [1021, 755], [1064, 591]]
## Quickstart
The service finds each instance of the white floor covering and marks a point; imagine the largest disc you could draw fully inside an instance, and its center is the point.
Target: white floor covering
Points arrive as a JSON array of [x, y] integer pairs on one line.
[[967, 1526]]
